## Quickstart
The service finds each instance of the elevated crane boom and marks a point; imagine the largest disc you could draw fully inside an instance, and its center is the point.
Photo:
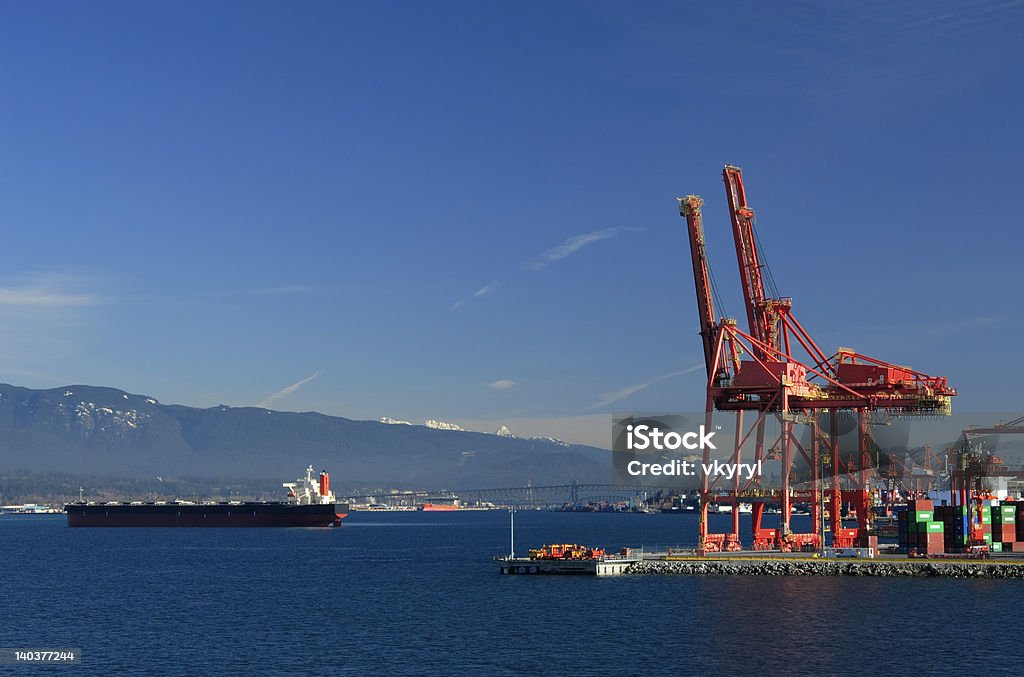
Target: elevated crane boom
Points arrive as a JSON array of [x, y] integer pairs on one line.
[[690, 208], [1014, 427], [762, 311]]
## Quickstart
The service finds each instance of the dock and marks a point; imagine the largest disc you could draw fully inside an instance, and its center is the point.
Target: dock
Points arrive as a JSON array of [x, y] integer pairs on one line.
[[886, 567], [663, 564], [579, 567]]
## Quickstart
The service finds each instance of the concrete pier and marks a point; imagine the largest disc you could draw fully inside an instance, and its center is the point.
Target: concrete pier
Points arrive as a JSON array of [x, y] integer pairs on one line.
[[581, 567], [794, 566]]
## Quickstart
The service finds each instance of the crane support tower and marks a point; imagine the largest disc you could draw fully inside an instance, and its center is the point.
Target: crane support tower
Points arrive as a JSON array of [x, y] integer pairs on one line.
[[969, 466], [776, 371]]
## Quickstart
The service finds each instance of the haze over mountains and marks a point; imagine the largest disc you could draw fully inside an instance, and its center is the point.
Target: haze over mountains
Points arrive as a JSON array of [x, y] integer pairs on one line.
[[106, 431]]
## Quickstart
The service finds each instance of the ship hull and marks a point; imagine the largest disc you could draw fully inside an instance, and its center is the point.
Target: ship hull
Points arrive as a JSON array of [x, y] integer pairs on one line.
[[438, 507], [205, 515]]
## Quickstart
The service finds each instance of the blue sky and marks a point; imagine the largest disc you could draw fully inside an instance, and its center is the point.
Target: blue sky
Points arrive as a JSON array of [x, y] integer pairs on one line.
[[466, 211]]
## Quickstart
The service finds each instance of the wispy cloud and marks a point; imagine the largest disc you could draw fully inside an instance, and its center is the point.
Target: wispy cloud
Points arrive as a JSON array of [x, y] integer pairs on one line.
[[36, 297], [47, 315], [478, 294], [574, 244], [611, 398], [289, 390], [48, 289], [567, 248], [501, 384]]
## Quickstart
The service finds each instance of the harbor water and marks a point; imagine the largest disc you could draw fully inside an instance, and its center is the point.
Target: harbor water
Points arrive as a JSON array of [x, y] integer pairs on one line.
[[417, 593]]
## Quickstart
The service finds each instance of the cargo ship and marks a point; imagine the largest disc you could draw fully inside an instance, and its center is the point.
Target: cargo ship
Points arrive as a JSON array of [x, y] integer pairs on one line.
[[311, 503], [439, 507]]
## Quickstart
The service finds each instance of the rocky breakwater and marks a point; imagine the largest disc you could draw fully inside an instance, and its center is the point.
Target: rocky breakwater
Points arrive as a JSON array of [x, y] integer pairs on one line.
[[828, 567]]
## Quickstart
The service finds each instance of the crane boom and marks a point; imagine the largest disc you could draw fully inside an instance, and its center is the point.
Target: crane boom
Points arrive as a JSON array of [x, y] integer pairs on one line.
[[762, 311], [1014, 427], [690, 208], [751, 279]]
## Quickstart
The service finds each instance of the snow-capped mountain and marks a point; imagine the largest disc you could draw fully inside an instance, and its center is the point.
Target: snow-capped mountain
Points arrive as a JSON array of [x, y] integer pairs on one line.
[[551, 440], [442, 425], [93, 431], [430, 423], [502, 431], [387, 420]]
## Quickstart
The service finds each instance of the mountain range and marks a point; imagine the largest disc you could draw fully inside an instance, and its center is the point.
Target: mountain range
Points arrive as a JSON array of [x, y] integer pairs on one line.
[[105, 431]]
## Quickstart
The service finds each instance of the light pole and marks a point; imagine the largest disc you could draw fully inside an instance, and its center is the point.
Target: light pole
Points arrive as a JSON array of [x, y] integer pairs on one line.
[[512, 532], [821, 504]]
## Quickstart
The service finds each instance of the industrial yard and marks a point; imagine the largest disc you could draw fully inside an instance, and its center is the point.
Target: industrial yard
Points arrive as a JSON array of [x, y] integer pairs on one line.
[[944, 513]]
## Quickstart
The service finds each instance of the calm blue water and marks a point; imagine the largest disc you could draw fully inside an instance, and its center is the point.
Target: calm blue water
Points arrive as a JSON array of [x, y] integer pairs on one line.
[[416, 593]]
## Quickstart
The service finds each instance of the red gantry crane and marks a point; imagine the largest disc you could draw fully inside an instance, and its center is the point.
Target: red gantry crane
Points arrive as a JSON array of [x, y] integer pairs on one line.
[[970, 466], [775, 369], [912, 478]]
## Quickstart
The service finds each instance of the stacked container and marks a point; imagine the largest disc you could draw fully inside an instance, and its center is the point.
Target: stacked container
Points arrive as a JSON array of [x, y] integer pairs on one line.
[[956, 522], [924, 533], [929, 530], [1004, 527], [1020, 523]]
